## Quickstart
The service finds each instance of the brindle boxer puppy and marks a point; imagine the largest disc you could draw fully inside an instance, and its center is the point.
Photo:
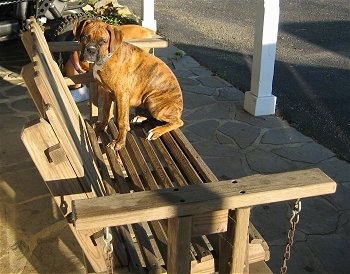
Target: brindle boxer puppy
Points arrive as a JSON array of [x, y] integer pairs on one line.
[[134, 78]]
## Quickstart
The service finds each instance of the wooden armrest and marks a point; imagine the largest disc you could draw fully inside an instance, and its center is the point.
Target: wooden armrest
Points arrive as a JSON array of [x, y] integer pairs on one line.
[[198, 199]]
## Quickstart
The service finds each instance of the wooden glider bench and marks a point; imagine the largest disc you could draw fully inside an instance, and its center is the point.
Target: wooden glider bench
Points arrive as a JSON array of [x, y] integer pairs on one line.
[[154, 206]]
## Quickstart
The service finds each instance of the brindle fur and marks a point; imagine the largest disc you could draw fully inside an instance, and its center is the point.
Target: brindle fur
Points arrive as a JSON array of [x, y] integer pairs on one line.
[[134, 78], [128, 31]]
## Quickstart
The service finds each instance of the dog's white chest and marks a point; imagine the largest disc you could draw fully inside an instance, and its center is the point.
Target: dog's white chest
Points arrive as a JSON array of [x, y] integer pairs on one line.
[[99, 66]]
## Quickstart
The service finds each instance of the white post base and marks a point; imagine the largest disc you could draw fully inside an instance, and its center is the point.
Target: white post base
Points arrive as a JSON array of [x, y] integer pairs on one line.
[[259, 106], [148, 20], [150, 24], [259, 100]]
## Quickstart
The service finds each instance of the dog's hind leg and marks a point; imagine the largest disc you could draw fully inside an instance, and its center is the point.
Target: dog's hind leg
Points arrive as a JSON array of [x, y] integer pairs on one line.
[[168, 110], [158, 131]]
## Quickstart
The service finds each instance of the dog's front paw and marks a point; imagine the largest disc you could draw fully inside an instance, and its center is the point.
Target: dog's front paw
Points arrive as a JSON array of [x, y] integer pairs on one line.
[[99, 126], [115, 145]]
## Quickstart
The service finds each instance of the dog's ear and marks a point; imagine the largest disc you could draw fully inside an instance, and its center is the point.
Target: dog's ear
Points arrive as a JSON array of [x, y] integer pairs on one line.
[[78, 28], [116, 37]]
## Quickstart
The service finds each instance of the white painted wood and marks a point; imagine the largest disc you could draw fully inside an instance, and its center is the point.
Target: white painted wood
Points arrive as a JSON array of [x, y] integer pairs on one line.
[[259, 100], [148, 20]]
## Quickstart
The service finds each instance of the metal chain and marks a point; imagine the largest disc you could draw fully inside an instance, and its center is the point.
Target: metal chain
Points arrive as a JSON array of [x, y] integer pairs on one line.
[[108, 249], [293, 222]]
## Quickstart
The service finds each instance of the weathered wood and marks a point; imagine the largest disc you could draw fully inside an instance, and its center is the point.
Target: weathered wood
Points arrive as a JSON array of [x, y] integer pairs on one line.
[[69, 122], [208, 176], [240, 241], [145, 246], [64, 46], [183, 162], [55, 154], [176, 197], [196, 199], [179, 236], [68, 145], [138, 166], [61, 181], [28, 75], [256, 253], [27, 40], [224, 246], [149, 42], [79, 79], [259, 268], [69, 46], [152, 261], [209, 223], [158, 168], [201, 248], [107, 181], [127, 162], [93, 87], [194, 157]]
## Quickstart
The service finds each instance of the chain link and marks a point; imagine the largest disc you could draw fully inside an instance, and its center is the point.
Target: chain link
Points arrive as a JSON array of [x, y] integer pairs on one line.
[[294, 220], [108, 249]]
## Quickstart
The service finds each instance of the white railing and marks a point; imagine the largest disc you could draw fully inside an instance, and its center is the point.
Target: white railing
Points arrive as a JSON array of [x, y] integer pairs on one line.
[[259, 100], [148, 20]]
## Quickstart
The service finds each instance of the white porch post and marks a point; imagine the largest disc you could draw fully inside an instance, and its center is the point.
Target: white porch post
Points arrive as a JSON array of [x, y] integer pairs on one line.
[[259, 100], [148, 20]]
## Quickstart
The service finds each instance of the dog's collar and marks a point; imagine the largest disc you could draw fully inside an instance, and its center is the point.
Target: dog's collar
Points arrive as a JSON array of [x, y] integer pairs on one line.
[[75, 65], [104, 59]]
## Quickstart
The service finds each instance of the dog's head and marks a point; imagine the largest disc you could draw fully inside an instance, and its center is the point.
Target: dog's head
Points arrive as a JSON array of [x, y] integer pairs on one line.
[[97, 39]]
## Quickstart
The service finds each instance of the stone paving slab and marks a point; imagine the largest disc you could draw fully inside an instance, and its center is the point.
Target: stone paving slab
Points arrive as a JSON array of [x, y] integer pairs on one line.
[[36, 239]]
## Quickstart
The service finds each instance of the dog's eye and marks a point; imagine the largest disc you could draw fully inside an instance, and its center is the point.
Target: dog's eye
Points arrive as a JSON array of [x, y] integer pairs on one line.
[[83, 38], [102, 42]]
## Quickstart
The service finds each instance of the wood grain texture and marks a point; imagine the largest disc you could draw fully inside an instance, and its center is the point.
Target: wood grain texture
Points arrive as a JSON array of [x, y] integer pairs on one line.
[[197, 199], [62, 183], [70, 46], [195, 204], [240, 241], [179, 236], [28, 75]]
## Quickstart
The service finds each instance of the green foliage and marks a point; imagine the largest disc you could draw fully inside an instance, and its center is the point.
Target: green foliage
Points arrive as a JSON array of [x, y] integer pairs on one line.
[[110, 15]]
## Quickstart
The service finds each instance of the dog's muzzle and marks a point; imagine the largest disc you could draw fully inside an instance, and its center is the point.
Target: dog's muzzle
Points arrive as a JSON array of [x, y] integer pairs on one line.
[[90, 53]]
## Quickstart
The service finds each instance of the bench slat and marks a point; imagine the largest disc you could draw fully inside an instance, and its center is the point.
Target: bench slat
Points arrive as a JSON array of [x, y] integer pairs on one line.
[[193, 156], [162, 176], [182, 161]]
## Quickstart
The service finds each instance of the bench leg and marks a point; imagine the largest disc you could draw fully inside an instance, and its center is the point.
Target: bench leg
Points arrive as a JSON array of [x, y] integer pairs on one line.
[[179, 237], [240, 241], [233, 257]]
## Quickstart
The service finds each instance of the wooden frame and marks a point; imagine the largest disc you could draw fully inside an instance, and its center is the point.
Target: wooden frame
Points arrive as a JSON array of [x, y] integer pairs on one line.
[[166, 209]]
